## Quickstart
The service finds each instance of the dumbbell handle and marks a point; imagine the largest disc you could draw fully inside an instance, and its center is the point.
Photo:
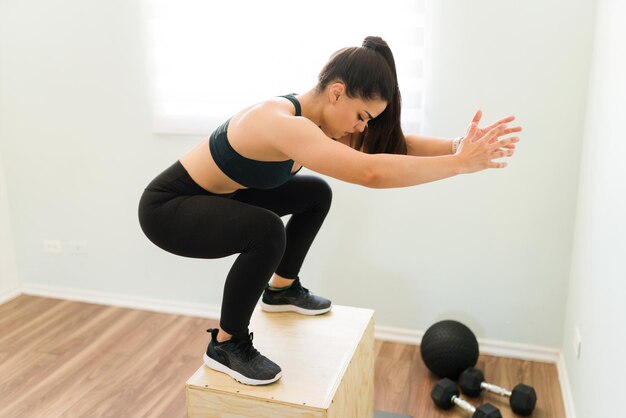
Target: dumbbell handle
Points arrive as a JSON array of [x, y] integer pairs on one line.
[[464, 405], [495, 389]]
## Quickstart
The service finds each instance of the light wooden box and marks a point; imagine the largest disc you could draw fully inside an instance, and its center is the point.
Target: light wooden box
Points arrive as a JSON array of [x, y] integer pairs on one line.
[[327, 363]]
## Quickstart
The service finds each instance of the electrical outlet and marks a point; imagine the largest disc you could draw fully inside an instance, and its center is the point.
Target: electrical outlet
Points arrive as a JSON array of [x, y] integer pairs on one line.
[[78, 247], [51, 246], [577, 342]]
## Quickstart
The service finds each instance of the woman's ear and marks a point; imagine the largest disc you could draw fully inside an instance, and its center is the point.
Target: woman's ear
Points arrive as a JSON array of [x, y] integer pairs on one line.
[[335, 91]]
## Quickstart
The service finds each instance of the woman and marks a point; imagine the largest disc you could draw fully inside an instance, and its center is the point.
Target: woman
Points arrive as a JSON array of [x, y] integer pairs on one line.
[[226, 196]]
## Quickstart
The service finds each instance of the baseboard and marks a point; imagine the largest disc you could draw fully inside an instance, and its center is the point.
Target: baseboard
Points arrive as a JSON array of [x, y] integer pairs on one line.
[[490, 347], [114, 299], [9, 294], [566, 389]]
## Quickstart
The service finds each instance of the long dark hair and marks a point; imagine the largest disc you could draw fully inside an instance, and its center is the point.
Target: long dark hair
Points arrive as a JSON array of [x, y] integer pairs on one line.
[[369, 73]]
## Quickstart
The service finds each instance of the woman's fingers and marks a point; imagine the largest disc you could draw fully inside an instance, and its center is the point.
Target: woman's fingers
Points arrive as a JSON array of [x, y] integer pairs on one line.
[[500, 122], [501, 149], [493, 133], [471, 131], [477, 117], [513, 130], [504, 143], [502, 154], [496, 165]]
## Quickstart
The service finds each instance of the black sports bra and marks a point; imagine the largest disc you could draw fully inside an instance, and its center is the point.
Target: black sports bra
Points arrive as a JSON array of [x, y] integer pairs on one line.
[[249, 173]]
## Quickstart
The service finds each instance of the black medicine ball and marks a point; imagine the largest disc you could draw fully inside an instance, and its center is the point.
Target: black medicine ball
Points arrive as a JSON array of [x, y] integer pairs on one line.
[[449, 347]]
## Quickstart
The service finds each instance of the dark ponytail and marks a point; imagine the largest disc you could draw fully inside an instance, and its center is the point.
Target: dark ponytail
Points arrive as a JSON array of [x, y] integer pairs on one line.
[[369, 72]]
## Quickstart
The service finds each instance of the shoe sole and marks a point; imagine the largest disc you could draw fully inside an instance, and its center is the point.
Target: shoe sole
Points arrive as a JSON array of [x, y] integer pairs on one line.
[[292, 308], [216, 365]]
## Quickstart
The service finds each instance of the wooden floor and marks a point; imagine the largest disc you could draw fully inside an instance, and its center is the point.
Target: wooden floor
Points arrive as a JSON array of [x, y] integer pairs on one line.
[[70, 359]]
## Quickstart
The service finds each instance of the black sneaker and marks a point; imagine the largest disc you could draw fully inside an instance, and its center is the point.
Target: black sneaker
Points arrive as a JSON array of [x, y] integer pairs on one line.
[[295, 299], [240, 360]]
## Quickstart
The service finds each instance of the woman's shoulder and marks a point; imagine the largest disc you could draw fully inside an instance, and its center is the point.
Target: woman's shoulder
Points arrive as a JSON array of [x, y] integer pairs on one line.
[[268, 124], [269, 116], [272, 107]]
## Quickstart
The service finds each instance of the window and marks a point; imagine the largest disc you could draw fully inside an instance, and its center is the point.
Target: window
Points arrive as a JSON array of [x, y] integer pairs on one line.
[[210, 59]]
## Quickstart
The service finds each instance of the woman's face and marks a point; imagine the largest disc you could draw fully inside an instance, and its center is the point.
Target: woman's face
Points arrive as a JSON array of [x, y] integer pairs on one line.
[[344, 115]]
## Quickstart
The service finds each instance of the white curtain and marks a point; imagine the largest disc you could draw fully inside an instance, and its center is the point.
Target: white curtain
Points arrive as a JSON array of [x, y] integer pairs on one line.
[[209, 59]]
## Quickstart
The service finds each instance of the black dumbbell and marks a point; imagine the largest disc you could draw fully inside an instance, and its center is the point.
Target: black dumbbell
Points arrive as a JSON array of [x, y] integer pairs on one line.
[[446, 395], [522, 399]]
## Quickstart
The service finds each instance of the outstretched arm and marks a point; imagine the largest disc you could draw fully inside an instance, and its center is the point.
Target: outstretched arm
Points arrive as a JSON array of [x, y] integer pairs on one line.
[[302, 141]]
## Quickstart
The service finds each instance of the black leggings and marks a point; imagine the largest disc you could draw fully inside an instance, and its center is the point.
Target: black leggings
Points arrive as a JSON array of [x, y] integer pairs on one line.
[[182, 218]]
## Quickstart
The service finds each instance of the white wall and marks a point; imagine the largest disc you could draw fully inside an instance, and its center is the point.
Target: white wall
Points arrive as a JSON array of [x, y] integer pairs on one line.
[[597, 290], [492, 249], [9, 281]]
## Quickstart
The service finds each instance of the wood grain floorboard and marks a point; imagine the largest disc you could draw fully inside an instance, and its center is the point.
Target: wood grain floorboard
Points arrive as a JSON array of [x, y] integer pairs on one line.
[[72, 359]]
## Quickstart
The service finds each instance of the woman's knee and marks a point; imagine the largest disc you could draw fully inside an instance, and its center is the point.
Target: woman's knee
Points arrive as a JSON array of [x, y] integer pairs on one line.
[[321, 193]]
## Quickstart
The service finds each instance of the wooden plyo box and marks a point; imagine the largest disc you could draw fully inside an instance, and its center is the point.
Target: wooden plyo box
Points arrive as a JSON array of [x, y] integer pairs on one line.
[[327, 363]]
